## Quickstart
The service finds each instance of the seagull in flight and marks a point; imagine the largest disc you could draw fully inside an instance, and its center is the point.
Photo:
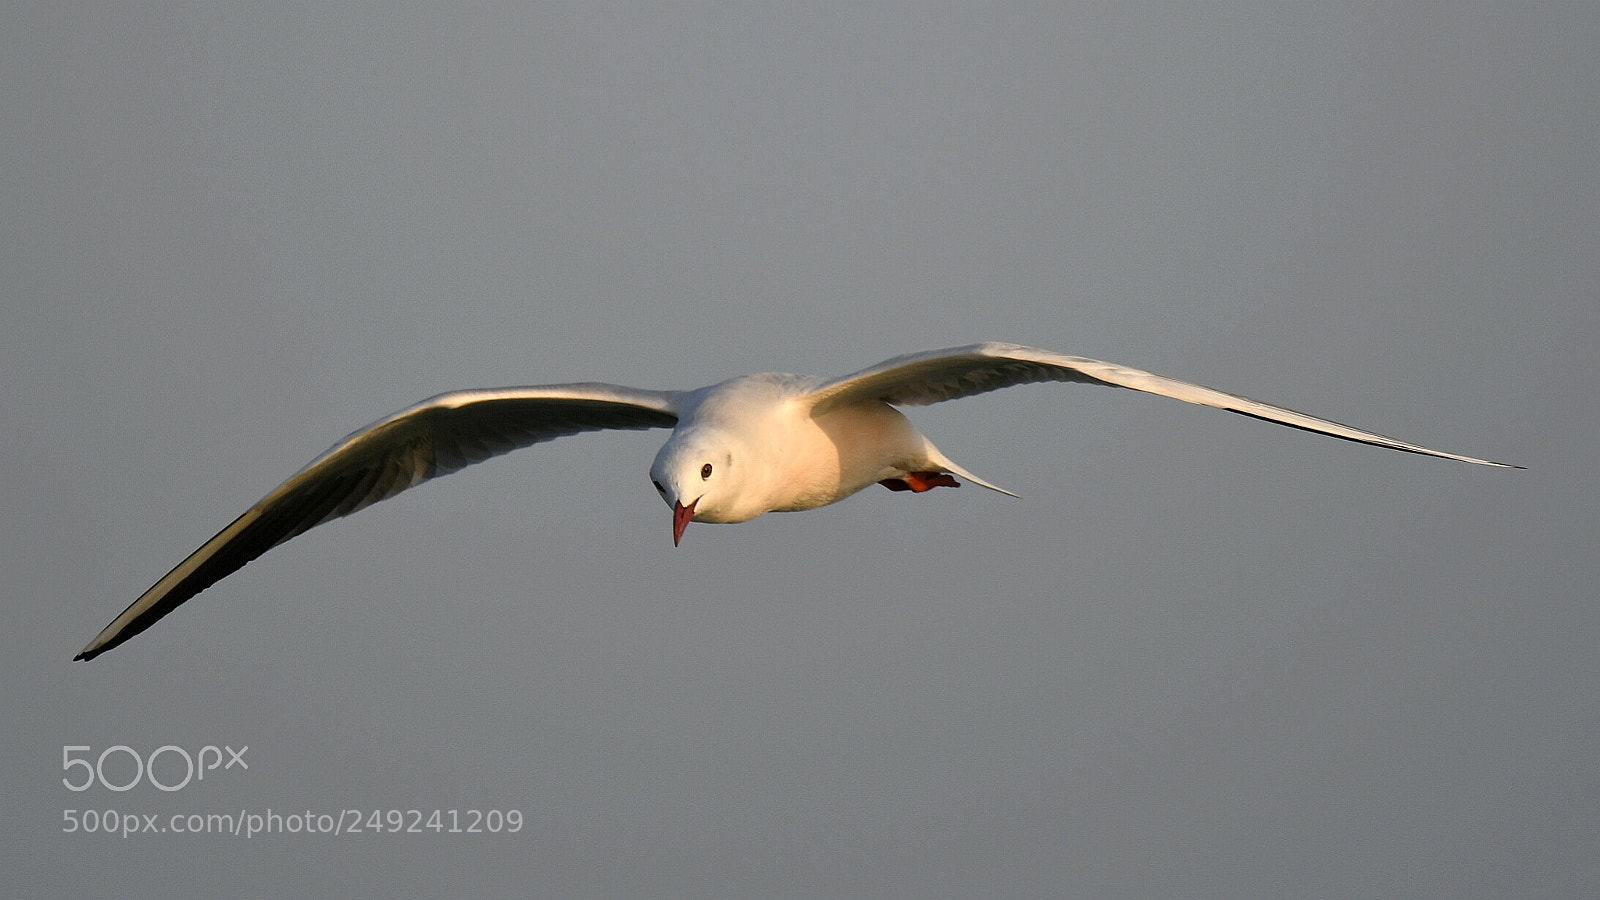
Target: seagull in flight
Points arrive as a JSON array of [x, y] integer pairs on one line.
[[743, 447]]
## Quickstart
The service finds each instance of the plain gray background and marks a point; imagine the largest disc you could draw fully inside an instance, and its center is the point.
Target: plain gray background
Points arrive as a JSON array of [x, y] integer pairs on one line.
[[1203, 656]]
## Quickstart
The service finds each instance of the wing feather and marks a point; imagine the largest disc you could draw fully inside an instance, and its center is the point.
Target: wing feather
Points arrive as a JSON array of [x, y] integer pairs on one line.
[[435, 437], [936, 375]]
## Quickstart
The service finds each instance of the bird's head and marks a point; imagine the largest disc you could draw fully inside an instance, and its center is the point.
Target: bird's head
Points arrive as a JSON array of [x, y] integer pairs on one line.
[[697, 474]]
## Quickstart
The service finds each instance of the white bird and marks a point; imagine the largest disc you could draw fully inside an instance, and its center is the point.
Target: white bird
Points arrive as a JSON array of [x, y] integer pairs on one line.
[[746, 446]]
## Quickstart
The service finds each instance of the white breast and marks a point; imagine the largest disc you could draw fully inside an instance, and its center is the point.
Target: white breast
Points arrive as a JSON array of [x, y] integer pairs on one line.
[[825, 459]]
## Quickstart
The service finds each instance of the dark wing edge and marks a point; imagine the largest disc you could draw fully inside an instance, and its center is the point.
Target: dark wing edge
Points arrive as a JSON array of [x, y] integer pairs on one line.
[[436, 437], [921, 378]]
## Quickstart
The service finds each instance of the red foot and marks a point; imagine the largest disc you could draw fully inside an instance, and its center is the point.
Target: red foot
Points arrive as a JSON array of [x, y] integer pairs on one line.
[[918, 482]]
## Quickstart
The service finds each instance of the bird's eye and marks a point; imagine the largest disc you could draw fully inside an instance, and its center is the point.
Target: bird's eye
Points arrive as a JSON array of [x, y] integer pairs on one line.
[[705, 471], [659, 488]]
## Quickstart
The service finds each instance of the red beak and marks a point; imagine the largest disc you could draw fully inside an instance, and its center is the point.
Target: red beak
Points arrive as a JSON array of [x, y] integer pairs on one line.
[[681, 516]]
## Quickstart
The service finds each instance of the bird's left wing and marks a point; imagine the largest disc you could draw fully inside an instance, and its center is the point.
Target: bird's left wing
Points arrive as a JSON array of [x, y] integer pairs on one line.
[[435, 437], [918, 379]]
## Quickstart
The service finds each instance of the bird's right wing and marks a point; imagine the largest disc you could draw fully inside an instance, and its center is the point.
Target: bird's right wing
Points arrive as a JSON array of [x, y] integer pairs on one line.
[[435, 437]]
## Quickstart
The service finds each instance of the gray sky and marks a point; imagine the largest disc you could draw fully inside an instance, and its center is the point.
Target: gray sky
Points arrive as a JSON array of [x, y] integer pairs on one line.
[[1203, 656]]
